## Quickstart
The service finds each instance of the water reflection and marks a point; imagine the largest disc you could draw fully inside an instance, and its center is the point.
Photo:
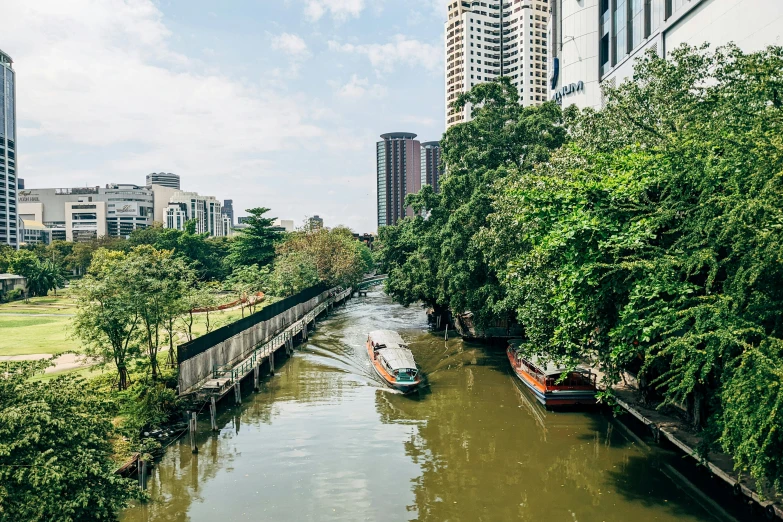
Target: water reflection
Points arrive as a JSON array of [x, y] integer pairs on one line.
[[324, 440]]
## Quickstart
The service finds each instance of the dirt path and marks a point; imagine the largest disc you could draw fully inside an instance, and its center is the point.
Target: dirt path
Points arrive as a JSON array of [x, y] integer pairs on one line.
[[66, 361]]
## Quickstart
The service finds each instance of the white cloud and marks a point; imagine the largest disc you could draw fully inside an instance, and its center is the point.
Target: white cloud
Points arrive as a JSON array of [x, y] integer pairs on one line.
[[338, 9], [290, 44], [357, 88], [101, 73], [400, 51]]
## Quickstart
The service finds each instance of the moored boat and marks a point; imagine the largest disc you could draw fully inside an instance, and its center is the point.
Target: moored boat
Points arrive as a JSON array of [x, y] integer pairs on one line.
[[546, 380], [392, 360]]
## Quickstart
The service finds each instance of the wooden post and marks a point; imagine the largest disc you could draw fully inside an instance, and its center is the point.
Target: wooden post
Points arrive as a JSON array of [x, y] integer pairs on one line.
[[193, 425], [255, 377], [213, 413], [237, 393], [140, 466], [446, 337], [272, 362]]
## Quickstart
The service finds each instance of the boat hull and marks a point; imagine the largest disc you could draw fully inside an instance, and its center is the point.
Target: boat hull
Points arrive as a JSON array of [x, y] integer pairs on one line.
[[404, 387], [552, 396]]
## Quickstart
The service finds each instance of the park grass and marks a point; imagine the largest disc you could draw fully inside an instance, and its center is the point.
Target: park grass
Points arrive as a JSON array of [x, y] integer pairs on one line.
[[25, 335], [61, 304]]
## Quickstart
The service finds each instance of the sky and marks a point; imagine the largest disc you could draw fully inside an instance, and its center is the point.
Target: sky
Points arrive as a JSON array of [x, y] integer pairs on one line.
[[271, 103]]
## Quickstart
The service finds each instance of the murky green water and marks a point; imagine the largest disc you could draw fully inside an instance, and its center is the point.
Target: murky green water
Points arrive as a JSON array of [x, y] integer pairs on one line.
[[324, 440]]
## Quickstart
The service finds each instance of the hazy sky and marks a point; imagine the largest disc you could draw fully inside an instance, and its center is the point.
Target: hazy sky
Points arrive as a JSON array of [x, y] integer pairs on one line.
[[274, 103]]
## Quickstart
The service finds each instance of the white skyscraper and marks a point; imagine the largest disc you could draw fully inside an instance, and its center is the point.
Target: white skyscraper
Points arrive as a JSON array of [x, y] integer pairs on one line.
[[485, 41]]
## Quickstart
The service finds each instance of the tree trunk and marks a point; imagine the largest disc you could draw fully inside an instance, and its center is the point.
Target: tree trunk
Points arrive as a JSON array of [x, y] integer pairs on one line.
[[122, 383]]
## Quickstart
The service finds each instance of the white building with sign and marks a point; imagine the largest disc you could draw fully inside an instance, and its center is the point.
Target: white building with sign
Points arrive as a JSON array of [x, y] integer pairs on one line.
[[597, 42], [85, 213], [204, 210]]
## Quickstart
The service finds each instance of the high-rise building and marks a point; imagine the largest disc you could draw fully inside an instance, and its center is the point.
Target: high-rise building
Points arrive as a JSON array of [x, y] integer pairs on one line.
[[228, 210], [595, 43], [315, 223], [430, 164], [487, 40], [399, 174], [164, 179], [9, 222], [205, 210]]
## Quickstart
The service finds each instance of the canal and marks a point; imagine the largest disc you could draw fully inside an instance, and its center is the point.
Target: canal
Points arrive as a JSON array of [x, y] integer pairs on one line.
[[324, 440]]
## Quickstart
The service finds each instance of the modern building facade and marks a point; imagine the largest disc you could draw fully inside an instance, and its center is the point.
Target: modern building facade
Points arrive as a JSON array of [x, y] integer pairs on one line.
[[286, 225], [595, 43], [205, 210], [430, 164], [228, 210], [86, 213], [9, 222], [489, 39], [34, 232], [164, 179], [398, 158]]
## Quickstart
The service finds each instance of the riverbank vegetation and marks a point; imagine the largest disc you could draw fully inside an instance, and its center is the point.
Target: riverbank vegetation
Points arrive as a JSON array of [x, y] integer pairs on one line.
[[646, 236], [132, 303]]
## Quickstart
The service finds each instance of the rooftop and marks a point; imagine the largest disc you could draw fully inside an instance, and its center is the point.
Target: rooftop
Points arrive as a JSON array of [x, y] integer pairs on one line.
[[398, 136]]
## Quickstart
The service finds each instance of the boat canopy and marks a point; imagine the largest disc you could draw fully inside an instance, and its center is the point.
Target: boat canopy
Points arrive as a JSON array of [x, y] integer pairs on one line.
[[544, 366], [387, 338], [398, 358]]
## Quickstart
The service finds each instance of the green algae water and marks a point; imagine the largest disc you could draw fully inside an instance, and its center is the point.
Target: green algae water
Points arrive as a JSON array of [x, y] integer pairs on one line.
[[325, 440]]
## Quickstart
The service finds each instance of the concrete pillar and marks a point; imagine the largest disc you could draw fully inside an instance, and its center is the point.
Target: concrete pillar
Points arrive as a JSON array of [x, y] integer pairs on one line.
[[256, 373], [193, 426], [213, 413], [237, 393], [272, 361]]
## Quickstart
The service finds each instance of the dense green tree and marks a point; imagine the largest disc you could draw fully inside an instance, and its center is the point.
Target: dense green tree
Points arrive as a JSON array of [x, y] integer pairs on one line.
[[441, 261], [55, 452], [292, 273], [41, 276], [255, 245], [108, 319], [654, 242]]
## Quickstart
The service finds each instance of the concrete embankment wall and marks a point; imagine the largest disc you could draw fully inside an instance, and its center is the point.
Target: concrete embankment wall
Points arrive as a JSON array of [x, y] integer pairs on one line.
[[234, 342]]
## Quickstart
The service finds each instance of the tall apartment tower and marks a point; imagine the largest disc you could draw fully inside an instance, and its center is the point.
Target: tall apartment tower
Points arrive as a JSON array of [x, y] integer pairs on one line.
[[430, 164], [9, 225], [164, 179], [399, 174], [494, 38], [228, 210]]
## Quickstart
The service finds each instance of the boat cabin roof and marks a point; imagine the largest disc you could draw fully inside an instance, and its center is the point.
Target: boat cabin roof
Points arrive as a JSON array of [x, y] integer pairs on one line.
[[546, 367], [386, 338], [398, 358]]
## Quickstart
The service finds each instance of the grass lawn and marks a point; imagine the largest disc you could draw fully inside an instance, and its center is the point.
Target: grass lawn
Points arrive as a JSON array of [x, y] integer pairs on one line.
[[21, 335], [41, 305]]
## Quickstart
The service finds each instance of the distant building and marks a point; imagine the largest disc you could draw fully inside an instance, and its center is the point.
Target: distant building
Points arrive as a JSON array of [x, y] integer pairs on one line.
[[399, 174], [34, 232], [86, 213], [315, 223], [205, 210], [367, 239], [9, 221], [242, 220], [20, 183], [286, 225], [165, 179], [228, 210], [430, 164]]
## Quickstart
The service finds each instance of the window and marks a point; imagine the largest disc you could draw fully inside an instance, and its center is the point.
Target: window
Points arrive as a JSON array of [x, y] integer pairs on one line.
[[636, 26], [620, 43]]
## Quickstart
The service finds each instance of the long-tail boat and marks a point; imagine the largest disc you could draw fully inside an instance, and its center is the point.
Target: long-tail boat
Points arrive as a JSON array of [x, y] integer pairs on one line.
[[392, 360], [546, 380]]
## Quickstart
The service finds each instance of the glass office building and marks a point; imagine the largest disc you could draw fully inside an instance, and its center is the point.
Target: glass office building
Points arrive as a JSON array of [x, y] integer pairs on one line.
[[9, 226]]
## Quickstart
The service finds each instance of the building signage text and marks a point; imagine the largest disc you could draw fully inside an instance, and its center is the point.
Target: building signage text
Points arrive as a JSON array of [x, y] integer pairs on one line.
[[567, 90], [128, 209], [26, 196]]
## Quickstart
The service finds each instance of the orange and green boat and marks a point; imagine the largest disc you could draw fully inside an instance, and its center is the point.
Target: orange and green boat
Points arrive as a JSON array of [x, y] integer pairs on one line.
[[392, 360], [547, 381]]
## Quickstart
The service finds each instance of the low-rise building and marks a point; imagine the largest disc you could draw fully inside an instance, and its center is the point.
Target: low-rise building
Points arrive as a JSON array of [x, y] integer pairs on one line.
[[11, 282], [286, 225], [34, 232], [86, 213]]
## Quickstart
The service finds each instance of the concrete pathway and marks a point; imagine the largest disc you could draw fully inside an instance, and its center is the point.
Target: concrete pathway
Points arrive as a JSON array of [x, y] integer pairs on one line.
[[66, 361]]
